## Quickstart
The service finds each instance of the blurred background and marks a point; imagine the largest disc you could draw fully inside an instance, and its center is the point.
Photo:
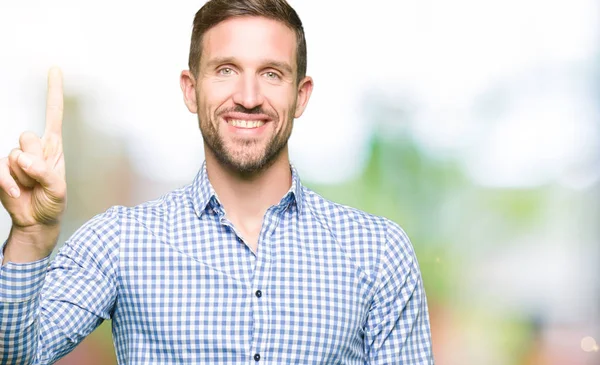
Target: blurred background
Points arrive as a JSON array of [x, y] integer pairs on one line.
[[473, 124]]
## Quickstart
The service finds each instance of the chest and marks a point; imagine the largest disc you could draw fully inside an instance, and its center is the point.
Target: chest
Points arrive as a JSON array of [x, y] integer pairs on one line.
[[298, 299]]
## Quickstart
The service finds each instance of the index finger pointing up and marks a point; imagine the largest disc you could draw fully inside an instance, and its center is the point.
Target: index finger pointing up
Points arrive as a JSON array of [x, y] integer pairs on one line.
[[54, 103]]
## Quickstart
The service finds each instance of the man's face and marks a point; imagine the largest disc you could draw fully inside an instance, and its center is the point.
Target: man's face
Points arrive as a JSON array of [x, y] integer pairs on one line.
[[246, 92]]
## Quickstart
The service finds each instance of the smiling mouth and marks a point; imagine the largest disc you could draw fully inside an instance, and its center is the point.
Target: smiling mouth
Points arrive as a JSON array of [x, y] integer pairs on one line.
[[245, 124]]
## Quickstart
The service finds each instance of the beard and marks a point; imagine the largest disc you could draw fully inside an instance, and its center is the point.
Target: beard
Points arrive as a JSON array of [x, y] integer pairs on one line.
[[249, 157]]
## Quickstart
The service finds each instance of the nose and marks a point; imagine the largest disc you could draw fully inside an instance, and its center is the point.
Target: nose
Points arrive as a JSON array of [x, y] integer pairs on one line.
[[248, 92]]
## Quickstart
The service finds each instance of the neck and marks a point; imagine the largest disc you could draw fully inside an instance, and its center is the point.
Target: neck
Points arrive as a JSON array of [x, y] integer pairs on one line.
[[247, 198]]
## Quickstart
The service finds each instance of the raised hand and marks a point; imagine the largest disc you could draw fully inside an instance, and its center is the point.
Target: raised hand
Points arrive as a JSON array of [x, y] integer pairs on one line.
[[32, 180]]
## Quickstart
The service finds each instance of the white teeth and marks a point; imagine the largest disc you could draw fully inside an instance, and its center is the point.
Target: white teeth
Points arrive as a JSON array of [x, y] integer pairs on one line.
[[246, 123]]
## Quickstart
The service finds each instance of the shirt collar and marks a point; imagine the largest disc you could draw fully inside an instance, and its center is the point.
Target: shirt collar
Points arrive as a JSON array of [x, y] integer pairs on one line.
[[204, 196]]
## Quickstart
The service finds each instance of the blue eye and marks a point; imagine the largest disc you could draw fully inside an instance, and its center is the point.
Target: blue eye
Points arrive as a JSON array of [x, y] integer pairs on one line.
[[226, 71], [272, 75]]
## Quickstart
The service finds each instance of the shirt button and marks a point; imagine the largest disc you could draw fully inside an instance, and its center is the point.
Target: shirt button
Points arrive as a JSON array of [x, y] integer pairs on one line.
[[258, 294], [256, 357]]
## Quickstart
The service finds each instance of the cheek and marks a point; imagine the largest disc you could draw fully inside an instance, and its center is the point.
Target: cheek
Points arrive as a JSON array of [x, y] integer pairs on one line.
[[282, 100], [213, 94]]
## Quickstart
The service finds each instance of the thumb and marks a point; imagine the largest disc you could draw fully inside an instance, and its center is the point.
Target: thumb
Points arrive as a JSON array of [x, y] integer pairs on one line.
[[36, 168]]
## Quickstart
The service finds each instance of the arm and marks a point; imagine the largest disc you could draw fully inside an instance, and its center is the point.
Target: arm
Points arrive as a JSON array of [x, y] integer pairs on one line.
[[78, 289], [20, 285], [38, 324], [397, 330], [33, 186]]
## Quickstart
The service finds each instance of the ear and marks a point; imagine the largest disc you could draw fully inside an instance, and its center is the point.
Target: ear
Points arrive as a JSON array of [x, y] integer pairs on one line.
[[188, 87], [305, 88]]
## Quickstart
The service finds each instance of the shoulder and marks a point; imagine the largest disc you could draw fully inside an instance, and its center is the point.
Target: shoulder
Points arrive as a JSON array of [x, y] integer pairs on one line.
[[153, 211], [337, 214], [161, 207], [109, 225], [370, 239], [334, 213]]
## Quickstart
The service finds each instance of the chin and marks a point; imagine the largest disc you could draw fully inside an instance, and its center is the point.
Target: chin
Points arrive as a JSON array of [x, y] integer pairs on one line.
[[246, 158], [246, 165], [248, 168]]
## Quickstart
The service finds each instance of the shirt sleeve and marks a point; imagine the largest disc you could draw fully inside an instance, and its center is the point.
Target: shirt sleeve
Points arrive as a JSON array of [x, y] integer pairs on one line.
[[397, 330], [20, 286], [45, 313]]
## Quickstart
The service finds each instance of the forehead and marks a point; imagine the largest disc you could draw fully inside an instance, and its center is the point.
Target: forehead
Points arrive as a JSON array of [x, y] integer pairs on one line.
[[250, 38]]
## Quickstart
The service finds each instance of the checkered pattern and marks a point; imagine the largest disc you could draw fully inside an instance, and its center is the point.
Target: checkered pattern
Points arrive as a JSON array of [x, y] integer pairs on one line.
[[328, 285]]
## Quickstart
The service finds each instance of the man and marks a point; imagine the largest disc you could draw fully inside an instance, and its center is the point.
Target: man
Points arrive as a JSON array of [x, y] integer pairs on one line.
[[243, 265]]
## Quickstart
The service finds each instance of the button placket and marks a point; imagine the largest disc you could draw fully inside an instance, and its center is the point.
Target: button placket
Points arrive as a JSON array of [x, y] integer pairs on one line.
[[260, 283]]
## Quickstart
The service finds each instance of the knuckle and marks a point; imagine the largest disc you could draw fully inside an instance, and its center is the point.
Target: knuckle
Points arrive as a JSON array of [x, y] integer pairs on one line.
[[25, 136], [14, 155], [28, 140]]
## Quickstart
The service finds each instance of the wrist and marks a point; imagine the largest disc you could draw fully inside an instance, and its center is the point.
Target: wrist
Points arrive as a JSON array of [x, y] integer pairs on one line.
[[32, 243]]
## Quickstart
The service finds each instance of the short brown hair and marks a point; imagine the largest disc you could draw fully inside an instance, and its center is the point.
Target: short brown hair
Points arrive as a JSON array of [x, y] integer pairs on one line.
[[216, 11]]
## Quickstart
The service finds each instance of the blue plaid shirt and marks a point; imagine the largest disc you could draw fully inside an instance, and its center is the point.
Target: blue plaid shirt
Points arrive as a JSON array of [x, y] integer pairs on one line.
[[329, 285]]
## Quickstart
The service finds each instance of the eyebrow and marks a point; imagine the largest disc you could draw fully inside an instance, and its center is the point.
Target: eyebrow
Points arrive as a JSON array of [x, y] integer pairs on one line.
[[286, 67], [280, 65]]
